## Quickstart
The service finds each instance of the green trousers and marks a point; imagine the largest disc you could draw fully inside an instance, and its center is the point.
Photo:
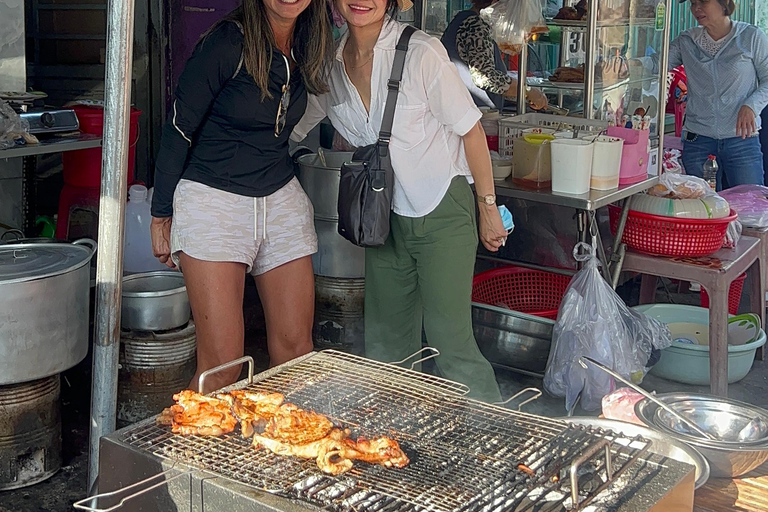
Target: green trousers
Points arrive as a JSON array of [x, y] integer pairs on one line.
[[423, 274]]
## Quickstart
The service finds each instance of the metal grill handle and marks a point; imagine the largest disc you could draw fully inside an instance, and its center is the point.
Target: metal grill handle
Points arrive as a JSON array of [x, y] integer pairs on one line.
[[81, 505], [206, 373], [535, 394], [604, 444], [434, 353]]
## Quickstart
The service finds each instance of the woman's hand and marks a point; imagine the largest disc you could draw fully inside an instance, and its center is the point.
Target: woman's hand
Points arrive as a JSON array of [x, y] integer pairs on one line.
[[492, 232], [536, 99], [160, 229], [746, 126]]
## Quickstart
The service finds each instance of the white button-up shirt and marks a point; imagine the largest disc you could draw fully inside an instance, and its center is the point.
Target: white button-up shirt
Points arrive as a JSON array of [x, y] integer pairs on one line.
[[434, 109]]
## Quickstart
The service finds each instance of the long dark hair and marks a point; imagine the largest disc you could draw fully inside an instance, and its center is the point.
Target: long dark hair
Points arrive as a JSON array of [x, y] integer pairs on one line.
[[312, 44]]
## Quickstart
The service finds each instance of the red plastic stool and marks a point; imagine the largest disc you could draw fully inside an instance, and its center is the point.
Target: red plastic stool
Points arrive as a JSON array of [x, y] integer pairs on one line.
[[78, 213]]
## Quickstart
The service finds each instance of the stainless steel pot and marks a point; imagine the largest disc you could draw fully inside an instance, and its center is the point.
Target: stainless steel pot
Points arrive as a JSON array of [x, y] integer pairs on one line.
[[44, 296], [154, 301], [319, 175]]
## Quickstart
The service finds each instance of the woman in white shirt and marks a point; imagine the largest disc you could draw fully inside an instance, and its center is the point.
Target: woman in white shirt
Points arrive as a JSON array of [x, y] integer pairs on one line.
[[423, 274]]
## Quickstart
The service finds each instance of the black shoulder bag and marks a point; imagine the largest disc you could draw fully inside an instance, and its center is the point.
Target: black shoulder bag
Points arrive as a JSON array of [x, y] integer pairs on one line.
[[365, 189]]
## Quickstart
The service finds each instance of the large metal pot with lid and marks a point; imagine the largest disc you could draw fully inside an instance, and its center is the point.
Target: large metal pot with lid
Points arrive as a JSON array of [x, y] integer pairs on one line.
[[44, 296]]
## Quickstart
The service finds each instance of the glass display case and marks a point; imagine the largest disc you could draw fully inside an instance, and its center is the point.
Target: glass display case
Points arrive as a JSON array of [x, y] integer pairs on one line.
[[612, 58]]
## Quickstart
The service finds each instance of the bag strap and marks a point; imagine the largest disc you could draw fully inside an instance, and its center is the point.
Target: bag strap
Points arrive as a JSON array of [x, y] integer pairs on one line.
[[393, 85]]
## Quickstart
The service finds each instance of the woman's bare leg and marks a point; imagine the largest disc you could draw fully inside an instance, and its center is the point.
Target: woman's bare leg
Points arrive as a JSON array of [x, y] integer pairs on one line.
[[287, 294], [215, 292]]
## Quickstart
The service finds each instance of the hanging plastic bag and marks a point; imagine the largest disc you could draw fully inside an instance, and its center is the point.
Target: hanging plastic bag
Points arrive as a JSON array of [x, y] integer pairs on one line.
[[513, 22], [593, 321]]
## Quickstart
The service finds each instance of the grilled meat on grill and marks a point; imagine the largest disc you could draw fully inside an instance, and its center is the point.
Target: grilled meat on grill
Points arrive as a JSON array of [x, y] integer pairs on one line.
[[252, 408], [325, 451], [297, 426], [196, 414], [381, 450]]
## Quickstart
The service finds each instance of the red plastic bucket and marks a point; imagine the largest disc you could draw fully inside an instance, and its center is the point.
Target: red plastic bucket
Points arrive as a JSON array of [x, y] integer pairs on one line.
[[82, 168]]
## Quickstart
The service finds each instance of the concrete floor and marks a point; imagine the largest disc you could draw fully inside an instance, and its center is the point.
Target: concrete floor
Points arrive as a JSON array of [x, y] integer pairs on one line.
[[59, 492]]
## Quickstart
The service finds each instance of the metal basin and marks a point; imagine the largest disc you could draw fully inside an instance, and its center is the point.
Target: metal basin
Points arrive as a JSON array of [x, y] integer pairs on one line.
[[726, 460], [662, 444], [512, 340], [729, 422], [154, 301]]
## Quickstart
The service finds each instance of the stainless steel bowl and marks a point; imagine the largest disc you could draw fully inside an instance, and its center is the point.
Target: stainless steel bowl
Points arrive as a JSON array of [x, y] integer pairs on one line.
[[154, 301], [729, 421], [726, 460], [662, 444], [512, 340]]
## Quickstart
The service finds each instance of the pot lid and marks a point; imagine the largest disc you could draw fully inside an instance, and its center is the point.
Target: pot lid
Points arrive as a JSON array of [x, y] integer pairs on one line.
[[27, 262]]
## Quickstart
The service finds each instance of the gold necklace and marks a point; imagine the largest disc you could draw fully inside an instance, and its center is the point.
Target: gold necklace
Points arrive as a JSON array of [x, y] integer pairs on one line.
[[361, 65]]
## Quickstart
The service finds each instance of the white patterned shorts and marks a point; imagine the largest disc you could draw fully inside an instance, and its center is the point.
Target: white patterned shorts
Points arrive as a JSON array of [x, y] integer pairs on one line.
[[262, 232]]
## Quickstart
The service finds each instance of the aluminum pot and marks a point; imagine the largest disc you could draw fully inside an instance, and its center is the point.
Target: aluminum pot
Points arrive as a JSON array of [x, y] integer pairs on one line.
[[44, 315], [154, 301]]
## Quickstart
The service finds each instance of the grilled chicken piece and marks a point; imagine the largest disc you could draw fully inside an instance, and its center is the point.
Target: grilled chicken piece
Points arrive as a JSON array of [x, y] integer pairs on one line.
[[297, 426], [381, 450], [196, 414], [325, 451], [252, 408]]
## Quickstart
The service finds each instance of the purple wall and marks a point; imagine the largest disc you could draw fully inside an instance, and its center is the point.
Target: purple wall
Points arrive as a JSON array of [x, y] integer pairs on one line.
[[187, 21]]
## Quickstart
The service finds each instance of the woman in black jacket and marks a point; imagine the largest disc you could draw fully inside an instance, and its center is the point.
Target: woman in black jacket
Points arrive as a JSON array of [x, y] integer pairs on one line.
[[226, 200]]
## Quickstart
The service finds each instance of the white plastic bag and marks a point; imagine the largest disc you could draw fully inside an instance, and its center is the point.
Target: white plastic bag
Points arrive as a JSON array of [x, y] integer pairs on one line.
[[513, 22], [750, 202], [593, 321]]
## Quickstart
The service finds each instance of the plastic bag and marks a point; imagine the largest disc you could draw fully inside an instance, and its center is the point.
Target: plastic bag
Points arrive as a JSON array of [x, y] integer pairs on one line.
[[673, 161], [513, 22], [620, 405], [680, 186], [732, 234], [12, 127], [593, 321], [750, 202]]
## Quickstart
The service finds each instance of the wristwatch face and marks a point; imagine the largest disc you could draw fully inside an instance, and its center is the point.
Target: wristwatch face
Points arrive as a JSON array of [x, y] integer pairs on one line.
[[489, 199]]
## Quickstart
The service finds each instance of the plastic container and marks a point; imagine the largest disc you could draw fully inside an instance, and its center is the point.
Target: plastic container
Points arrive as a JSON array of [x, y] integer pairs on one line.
[[82, 168], [138, 255], [635, 154], [571, 165], [734, 295], [606, 163], [670, 236], [532, 161], [689, 363], [525, 290]]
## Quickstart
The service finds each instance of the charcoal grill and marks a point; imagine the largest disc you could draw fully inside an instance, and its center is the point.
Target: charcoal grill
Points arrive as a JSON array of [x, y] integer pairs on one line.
[[466, 456]]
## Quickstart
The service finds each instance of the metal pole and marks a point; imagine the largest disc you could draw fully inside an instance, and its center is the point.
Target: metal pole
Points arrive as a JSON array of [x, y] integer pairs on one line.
[[589, 65], [522, 78], [114, 160]]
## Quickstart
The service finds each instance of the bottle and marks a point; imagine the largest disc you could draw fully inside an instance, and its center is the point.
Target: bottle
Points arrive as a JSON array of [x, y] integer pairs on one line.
[[138, 255], [709, 172]]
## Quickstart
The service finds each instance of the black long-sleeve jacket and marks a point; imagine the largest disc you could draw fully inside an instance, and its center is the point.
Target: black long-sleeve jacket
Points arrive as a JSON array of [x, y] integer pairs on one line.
[[220, 132]]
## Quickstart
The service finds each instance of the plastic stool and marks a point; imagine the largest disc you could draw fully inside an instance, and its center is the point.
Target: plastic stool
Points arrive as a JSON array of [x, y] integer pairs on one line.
[[78, 213], [715, 273]]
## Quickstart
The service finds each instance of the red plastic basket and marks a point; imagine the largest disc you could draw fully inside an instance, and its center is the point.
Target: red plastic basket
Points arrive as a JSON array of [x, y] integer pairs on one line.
[[734, 295], [670, 236], [534, 292]]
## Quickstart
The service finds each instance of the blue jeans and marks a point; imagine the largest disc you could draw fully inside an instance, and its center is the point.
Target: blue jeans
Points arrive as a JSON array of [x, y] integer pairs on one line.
[[740, 161]]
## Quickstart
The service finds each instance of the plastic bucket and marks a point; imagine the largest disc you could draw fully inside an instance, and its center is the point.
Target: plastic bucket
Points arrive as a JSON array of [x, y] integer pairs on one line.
[[571, 165], [82, 168], [606, 163]]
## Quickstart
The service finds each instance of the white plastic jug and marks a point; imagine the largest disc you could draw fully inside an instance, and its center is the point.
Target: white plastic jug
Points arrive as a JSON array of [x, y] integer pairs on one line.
[[606, 163], [138, 255], [571, 165]]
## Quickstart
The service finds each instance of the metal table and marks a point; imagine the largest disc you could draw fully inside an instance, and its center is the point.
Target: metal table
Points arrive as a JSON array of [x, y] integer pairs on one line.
[[587, 204]]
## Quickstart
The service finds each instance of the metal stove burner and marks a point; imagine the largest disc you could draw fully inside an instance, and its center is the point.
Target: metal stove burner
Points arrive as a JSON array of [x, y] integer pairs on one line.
[[44, 121], [153, 366], [30, 432]]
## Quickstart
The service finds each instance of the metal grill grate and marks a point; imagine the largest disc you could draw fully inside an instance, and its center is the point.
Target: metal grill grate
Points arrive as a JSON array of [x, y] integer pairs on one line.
[[464, 454]]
